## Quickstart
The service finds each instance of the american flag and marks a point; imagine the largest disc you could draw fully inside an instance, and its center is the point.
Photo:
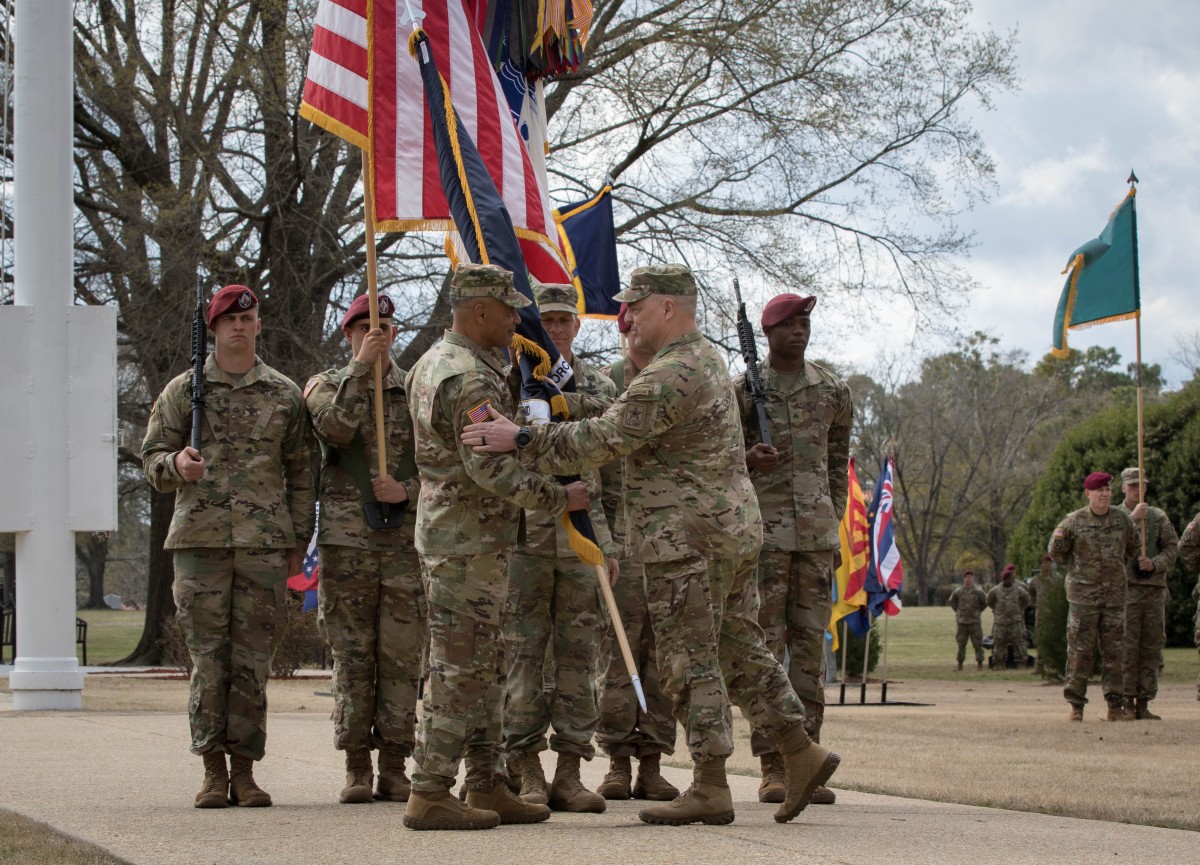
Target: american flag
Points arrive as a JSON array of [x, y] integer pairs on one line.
[[479, 414]]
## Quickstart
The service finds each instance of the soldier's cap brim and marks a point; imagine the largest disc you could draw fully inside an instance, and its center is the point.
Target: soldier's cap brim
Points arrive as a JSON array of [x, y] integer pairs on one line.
[[514, 299], [559, 307], [632, 295]]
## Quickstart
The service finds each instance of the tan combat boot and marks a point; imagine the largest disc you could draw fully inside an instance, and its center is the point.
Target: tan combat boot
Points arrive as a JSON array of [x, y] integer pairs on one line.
[[1143, 713], [979, 665], [567, 792], [650, 783], [359, 778], [215, 792], [507, 805], [243, 790], [393, 784], [616, 783], [772, 787], [807, 766], [440, 810], [1076, 713], [1118, 710], [708, 800], [822, 795], [527, 768], [960, 666]]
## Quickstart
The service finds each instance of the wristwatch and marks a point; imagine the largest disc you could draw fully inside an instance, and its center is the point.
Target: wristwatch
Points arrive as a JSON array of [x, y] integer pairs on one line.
[[524, 436]]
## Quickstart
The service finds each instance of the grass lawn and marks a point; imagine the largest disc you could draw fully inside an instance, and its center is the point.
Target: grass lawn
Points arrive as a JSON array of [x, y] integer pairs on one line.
[[111, 635], [28, 842]]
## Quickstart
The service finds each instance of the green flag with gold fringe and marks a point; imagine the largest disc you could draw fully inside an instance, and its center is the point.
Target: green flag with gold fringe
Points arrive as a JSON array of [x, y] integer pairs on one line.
[[1102, 278]]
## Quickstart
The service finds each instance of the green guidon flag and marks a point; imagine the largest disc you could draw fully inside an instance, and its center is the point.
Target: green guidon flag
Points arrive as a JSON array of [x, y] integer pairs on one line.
[[1102, 278]]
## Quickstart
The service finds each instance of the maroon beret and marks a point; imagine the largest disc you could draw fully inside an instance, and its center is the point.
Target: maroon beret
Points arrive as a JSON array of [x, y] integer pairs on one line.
[[783, 306], [229, 298], [1097, 481], [1009, 569], [623, 324], [968, 573], [361, 308]]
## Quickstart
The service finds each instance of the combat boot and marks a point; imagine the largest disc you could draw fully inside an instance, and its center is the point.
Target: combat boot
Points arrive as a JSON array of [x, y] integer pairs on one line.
[[1118, 710], [527, 767], [650, 783], [822, 795], [393, 785], [616, 783], [359, 778], [708, 800], [510, 808], [772, 788], [1143, 713], [440, 810], [807, 766], [1076, 713], [960, 666], [215, 792], [567, 792], [243, 790], [978, 664]]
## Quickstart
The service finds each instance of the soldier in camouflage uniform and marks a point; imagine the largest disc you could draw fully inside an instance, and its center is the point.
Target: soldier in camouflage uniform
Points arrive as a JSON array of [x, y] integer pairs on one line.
[[372, 604], [1189, 552], [1098, 544], [801, 483], [694, 521], [968, 602], [467, 516], [1008, 602], [1146, 598], [554, 603], [243, 515], [626, 731]]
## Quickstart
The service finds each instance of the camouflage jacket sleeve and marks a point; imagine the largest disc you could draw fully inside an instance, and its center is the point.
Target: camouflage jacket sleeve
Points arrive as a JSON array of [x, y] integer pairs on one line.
[[297, 473], [1189, 545], [993, 596], [166, 434], [839, 450], [954, 599], [1168, 543], [1062, 541], [1023, 597]]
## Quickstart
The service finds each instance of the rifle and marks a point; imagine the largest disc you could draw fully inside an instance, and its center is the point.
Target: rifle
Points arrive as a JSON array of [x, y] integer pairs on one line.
[[199, 344], [750, 355]]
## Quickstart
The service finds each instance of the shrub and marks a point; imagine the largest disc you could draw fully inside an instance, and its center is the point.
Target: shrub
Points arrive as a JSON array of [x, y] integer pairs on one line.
[[301, 644], [854, 646], [1051, 629], [174, 648]]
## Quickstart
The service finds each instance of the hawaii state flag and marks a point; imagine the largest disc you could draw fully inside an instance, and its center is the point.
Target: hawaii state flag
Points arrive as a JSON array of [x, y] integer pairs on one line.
[[306, 581], [885, 573]]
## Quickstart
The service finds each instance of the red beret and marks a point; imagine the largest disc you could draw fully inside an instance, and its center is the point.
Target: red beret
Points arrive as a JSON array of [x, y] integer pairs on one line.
[[1097, 481], [361, 308], [968, 573], [230, 297], [783, 306], [623, 324], [1009, 569]]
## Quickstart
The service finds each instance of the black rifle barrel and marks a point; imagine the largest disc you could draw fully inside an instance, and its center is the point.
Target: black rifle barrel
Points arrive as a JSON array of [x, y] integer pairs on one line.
[[199, 344], [750, 355]]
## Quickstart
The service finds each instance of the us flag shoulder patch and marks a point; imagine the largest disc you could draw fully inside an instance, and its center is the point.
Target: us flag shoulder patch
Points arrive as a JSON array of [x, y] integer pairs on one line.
[[481, 413]]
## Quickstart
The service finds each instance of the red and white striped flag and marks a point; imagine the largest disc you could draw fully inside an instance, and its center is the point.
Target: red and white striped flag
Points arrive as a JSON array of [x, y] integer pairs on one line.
[[380, 104]]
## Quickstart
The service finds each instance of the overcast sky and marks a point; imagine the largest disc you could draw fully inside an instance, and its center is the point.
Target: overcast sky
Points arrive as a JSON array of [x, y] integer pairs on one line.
[[1106, 85]]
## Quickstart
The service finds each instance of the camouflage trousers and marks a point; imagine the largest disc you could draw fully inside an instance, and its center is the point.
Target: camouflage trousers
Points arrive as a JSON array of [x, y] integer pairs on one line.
[[625, 730], [711, 651], [230, 607], [974, 632], [551, 635], [1005, 634], [460, 716], [1196, 640], [794, 600], [1145, 636], [1088, 625], [372, 613]]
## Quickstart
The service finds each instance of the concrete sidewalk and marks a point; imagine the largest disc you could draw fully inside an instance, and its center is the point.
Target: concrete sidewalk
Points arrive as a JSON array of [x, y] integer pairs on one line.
[[125, 781]]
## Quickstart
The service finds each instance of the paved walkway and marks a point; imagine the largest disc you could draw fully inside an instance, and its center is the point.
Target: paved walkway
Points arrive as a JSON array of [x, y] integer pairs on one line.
[[125, 781]]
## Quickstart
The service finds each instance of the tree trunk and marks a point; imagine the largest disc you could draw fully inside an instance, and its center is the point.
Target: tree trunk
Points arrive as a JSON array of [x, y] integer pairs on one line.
[[95, 561], [160, 602]]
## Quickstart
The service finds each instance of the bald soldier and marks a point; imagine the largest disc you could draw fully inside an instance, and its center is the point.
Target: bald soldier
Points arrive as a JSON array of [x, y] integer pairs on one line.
[[466, 525], [243, 516], [694, 521], [1189, 553]]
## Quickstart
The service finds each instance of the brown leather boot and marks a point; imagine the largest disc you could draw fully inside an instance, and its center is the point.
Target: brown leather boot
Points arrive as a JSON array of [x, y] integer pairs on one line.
[[1118, 710], [1076, 713], [567, 792], [979, 665], [650, 783], [772, 788], [243, 790], [215, 791], [807, 766], [440, 810], [1143, 713], [527, 768], [359, 778], [506, 804], [393, 784], [708, 800], [615, 785]]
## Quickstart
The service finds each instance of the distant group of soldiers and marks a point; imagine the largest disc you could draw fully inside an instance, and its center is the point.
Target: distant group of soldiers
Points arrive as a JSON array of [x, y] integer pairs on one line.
[[1009, 601], [453, 566]]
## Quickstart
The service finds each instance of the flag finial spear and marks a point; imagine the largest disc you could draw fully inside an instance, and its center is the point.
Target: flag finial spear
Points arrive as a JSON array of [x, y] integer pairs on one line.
[[413, 14], [1132, 180]]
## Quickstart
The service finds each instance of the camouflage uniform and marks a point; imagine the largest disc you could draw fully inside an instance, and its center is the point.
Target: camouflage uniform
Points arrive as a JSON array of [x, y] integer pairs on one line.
[[552, 617], [372, 603], [1146, 606], [810, 413], [1008, 605], [231, 532], [625, 730], [1097, 552], [968, 604], [466, 524], [693, 519], [1189, 553]]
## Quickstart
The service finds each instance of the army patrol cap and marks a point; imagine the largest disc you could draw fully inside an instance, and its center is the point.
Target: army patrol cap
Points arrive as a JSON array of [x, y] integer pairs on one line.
[[1132, 477], [361, 308], [486, 280], [231, 298], [557, 297], [674, 279]]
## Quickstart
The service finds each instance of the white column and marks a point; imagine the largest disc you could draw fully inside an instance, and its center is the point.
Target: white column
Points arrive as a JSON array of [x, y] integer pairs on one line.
[[46, 674]]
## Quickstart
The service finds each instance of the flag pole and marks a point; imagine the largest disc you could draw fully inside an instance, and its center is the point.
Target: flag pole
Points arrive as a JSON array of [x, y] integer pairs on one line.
[[862, 693], [1141, 394], [845, 658], [373, 309], [883, 692]]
